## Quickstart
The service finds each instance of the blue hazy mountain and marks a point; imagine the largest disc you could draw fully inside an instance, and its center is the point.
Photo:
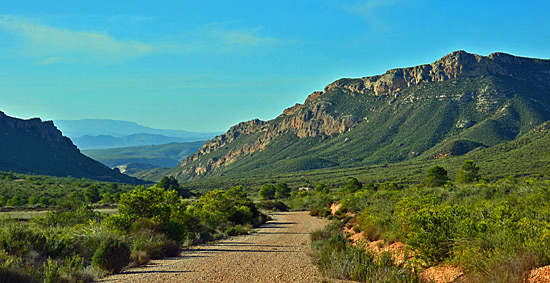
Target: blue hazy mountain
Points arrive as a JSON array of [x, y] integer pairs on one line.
[[105, 133]]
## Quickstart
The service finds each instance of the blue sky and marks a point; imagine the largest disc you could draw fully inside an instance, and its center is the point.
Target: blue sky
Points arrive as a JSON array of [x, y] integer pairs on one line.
[[207, 65]]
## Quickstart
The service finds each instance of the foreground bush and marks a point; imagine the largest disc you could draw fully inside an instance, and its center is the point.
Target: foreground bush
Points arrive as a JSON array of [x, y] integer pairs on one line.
[[112, 255]]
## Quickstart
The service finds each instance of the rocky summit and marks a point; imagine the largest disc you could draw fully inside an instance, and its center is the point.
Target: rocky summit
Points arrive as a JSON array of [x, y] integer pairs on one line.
[[460, 102], [37, 147]]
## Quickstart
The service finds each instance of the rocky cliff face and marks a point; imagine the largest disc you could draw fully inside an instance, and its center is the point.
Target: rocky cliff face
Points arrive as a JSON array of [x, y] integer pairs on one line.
[[455, 65], [319, 116]]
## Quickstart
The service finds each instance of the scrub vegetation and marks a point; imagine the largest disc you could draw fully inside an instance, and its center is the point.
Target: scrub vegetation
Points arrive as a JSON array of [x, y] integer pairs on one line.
[[73, 243], [493, 231]]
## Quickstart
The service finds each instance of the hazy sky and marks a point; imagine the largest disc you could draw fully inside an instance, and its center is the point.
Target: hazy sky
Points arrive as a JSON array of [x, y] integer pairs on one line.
[[207, 65]]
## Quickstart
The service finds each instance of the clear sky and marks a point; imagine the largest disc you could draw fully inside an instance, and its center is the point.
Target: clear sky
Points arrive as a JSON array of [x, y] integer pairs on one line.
[[207, 65]]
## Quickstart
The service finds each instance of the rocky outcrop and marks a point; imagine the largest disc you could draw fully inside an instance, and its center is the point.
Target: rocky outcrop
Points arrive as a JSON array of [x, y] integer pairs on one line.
[[36, 128], [454, 65]]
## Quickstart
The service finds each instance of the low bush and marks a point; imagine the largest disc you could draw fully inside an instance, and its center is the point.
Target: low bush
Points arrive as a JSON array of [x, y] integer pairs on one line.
[[236, 230], [139, 257], [314, 211], [112, 255]]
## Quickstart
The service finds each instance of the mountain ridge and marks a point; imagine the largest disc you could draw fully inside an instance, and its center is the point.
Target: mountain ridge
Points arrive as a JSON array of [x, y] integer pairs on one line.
[[34, 146], [466, 95]]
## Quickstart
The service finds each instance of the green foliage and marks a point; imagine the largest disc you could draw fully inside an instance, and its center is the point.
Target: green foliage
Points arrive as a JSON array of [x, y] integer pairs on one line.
[[20, 190], [267, 192], [51, 271], [468, 173], [436, 176], [220, 209], [430, 229], [167, 182], [282, 191], [353, 185], [337, 258], [154, 205], [236, 230], [154, 202], [112, 255], [170, 183], [69, 217], [92, 194], [321, 188]]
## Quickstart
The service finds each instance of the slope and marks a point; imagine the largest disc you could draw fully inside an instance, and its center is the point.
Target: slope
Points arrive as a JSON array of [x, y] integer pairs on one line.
[[33, 146]]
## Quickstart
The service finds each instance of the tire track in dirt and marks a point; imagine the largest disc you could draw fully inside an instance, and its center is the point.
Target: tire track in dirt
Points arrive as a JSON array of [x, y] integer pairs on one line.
[[275, 252]]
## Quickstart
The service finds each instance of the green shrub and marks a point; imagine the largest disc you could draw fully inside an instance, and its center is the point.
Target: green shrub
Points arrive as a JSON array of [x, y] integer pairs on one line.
[[436, 176], [337, 258], [171, 248], [51, 271], [138, 257], [150, 244], [73, 270], [431, 230], [155, 245], [89, 238], [468, 173], [112, 255], [236, 230]]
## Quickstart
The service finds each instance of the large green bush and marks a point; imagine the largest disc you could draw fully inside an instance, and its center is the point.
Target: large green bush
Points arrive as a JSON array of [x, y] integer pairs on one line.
[[436, 176]]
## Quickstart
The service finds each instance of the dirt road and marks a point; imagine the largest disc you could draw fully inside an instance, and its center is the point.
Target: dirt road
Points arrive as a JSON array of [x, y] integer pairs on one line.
[[276, 252]]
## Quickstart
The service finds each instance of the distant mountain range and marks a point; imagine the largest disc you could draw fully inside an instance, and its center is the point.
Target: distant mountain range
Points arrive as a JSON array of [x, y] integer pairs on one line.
[[33, 146], [150, 156], [104, 133], [457, 104], [108, 142]]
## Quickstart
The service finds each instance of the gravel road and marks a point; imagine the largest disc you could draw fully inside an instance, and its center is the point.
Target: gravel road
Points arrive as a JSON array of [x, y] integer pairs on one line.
[[276, 252]]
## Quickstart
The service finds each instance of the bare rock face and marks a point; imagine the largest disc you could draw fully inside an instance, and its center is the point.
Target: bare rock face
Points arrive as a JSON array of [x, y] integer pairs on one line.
[[317, 117], [455, 65]]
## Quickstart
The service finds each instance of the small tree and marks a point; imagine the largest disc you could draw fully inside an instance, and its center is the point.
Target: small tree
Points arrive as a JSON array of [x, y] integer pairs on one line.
[[170, 183], [321, 188], [282, 191], [468, 173], [92, 194], [353, 185], [436, 176], [267, 192]]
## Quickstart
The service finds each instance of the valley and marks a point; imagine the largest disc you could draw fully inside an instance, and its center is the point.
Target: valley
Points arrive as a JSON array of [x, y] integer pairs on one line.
[[450, 161]]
